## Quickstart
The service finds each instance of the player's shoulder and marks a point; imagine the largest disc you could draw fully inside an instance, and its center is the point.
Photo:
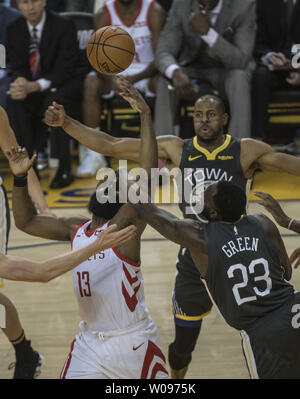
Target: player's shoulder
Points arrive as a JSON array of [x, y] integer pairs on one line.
[[250, 144]]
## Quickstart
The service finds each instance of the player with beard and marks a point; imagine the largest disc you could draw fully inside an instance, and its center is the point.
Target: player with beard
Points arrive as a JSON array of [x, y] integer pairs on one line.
[[221, 157], [117, 337], [245, 267]]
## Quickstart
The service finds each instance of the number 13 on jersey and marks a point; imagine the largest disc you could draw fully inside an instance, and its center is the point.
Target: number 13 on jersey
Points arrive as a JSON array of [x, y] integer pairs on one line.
[[84, 283]]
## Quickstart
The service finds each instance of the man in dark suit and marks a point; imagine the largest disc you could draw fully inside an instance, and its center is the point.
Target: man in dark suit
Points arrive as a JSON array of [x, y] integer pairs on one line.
[[278, 29], [43, 51], [211, 41], [7, 15]]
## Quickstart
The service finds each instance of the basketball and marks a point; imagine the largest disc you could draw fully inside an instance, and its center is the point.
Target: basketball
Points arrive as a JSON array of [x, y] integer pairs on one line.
[[110, 50]]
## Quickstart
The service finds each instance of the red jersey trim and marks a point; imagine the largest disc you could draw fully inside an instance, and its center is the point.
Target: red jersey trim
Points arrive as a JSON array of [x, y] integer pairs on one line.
[[136, 17], [130, 262], [90, 233], [108, 13], [78, 227]]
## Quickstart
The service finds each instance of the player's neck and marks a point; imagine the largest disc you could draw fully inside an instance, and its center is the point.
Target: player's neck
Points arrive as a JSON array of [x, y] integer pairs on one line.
[[212, 145], [128, 12], [96, 221]]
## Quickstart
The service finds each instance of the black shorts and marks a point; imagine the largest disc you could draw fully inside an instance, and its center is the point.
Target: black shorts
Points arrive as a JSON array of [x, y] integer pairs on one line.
[[191, 301], [272, 345]]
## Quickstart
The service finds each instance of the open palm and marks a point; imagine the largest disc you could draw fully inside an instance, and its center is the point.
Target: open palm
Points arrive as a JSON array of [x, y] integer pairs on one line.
[[19, 161]]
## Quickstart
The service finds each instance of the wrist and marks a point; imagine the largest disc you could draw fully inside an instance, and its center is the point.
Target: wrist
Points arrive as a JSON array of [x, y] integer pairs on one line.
[[20, 180], [290, 223], [66, 122]]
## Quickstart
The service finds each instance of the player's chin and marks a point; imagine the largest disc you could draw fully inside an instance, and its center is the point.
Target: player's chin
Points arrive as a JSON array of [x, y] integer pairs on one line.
[[206, 134]]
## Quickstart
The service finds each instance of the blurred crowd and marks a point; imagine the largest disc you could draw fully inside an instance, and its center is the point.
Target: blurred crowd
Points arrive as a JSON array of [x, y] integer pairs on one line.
[[241, 50]]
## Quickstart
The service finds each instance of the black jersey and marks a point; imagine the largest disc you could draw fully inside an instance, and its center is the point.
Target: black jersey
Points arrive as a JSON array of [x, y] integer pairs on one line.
[[197, 165], [244, 276]]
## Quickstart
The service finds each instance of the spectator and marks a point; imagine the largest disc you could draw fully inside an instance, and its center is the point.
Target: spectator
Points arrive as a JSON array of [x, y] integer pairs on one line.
[[278, 29], [7, 15], [143, 20], [81, 5], [42, 48], [212, 41]]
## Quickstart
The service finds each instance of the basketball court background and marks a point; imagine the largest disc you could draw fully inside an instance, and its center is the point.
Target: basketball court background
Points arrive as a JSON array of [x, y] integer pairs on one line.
[[49, 313]]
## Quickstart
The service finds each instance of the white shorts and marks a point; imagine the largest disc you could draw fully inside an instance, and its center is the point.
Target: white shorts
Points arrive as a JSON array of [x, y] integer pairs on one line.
[[132, 353]]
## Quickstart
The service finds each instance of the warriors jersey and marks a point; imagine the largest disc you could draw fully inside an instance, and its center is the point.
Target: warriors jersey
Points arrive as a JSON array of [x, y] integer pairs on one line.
[[244, 275], [108, 287], [139, 31], [198, 166]]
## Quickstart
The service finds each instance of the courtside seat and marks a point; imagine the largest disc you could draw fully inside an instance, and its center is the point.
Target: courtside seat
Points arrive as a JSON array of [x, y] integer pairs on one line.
[[119, 119], [284, 116]]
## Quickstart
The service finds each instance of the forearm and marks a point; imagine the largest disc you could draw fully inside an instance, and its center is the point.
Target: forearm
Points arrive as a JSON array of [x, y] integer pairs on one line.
[[164, 222], [294, 225], [36, 192], [279, 162], [102, 142], [61, 264], [23, 207], [20, 269], [148, 144]]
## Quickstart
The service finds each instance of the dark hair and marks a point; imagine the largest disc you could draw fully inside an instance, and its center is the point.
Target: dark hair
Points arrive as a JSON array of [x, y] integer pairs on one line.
[[217, 99], [230, 201]]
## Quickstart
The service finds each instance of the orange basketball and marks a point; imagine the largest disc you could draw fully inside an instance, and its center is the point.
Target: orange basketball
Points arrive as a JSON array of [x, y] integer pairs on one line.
[[110, 50]]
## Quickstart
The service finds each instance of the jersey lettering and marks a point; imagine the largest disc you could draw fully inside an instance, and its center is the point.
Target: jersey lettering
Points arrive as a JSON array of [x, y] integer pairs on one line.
[[84, 283], [245, 278]]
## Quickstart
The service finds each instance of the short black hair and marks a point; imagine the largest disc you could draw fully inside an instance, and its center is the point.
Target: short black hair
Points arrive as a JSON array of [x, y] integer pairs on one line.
[[230, 201], [215, 98]]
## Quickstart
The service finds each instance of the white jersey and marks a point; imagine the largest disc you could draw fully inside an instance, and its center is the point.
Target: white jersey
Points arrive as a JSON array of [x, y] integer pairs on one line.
[[108, 287], [139, 31]]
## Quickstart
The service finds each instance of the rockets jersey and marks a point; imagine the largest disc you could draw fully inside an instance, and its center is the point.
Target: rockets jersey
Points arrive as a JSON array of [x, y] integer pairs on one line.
[[139, 31], [199, 165], [244, 275], [109, 288]]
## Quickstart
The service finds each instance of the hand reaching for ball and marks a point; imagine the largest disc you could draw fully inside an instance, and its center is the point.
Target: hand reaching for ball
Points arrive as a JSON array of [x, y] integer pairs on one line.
[[125, 89], [55, 115]]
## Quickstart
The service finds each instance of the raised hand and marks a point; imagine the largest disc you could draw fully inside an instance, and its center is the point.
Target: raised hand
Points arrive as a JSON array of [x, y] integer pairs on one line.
[[111, 238], [272, 206], [55, 115], [125, 89], [19, 161]]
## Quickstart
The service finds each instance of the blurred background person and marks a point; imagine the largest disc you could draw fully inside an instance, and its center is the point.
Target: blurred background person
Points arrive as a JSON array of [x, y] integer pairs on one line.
[[42, 49], [278, 29]]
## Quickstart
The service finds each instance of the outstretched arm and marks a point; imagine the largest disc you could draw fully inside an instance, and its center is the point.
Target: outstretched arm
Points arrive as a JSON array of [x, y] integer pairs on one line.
[[8, 140], [185, 232], [261, 155], [272, 232], [20, 269], [26, 217], [169, 147], [273, 206]]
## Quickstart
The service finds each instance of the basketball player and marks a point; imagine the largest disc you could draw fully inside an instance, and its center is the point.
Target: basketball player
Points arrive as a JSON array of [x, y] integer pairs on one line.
[[28, 361], [117, 337], [282, 219], [222, 157], [143, 20], [244, 264]]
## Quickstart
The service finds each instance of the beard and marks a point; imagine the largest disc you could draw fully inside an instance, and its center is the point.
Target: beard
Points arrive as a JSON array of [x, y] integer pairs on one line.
[[107, 210]]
